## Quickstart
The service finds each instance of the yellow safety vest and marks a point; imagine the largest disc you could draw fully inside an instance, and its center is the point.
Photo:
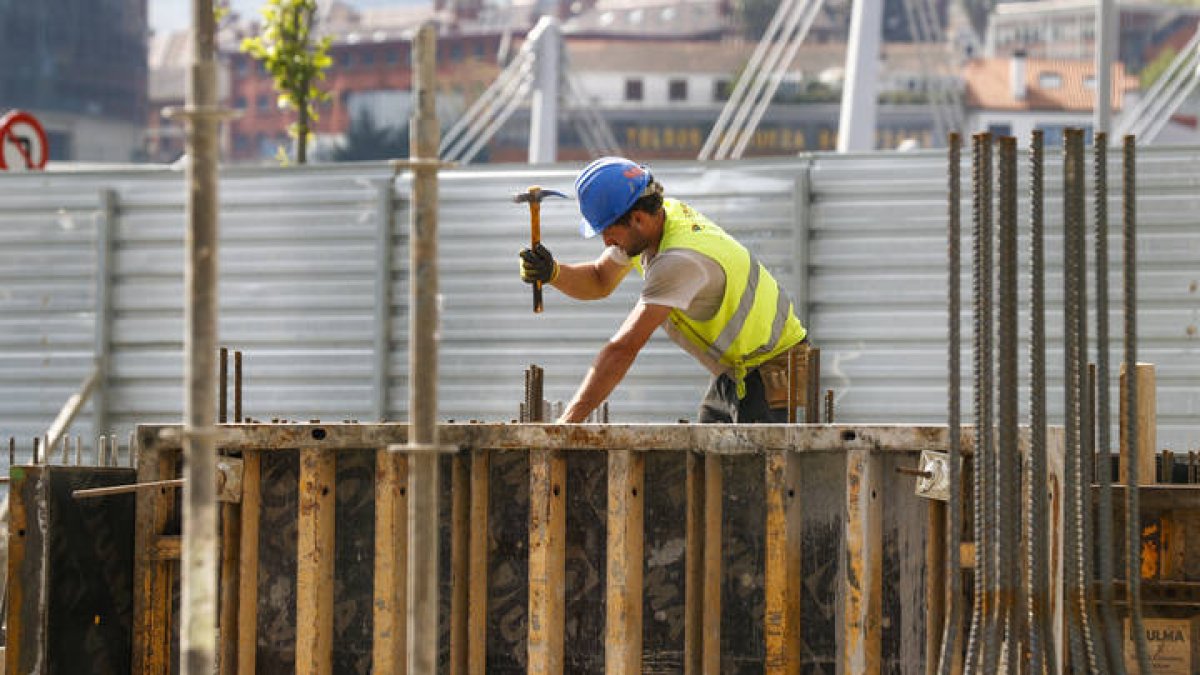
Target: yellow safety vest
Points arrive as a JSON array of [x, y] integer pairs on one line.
[[756, 320]]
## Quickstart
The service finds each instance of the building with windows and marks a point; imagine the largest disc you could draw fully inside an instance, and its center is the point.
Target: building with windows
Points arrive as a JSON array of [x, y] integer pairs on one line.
[[80, 67], [1065, 29], [1014, 96]]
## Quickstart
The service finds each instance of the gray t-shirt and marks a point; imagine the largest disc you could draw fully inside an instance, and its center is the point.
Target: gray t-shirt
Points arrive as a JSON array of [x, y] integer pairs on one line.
[[691, 282]]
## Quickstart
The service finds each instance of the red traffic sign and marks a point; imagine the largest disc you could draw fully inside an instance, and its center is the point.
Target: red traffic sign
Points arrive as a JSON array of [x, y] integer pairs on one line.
[[23, 145]]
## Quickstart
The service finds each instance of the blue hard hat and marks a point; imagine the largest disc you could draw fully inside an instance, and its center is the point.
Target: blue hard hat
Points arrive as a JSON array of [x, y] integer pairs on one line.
[[607, 188]]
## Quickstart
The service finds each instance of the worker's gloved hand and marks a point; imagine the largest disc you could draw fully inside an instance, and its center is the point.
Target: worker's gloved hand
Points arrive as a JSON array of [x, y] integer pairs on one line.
[[537, 264]]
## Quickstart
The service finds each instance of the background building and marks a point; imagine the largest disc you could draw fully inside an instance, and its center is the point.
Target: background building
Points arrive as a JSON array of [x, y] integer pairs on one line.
[[80, 67]]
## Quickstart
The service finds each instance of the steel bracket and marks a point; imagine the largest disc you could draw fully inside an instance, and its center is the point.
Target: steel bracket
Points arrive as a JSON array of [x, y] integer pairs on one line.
[[935, 481]]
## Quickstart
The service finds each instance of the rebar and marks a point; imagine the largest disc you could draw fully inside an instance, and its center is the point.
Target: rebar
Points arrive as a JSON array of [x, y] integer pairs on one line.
[[223, 387], [237, 387], [1103, 426], [1041, 636], [1008, 484], [78, 450], [1133, 549], [829, 406], [36, 445], [951, 634], [12, 451], [1093, 635], [1071, 506]]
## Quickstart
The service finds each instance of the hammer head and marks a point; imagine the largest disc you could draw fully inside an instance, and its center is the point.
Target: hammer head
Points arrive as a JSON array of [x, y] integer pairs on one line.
[[536, 194]]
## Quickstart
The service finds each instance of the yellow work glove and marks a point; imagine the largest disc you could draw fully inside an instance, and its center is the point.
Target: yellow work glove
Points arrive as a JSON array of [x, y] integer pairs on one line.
[[537, 264]]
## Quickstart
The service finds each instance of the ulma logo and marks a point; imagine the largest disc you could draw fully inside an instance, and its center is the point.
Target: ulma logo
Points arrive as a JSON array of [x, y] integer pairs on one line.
[[633, 172], [1164, 635]]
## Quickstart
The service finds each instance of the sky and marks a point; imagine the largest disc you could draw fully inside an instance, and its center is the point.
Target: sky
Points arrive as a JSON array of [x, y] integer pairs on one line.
[[172, 15]]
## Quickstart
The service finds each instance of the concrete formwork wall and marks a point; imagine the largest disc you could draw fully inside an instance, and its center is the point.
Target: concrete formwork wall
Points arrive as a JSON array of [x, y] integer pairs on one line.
[[306, 295]]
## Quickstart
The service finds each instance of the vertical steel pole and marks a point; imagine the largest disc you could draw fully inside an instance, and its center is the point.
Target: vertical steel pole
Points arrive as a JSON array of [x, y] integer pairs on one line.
[[198, 632], [422, 395], [975, 636], [543, 116], [1133, 525], [1104, 544], [949, 659], [856, 124], [987, 553]]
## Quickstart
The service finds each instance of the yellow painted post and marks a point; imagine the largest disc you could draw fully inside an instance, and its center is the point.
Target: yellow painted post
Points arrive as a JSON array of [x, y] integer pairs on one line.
[[481, 461], [783, 557], [862, 585], [247, 635]]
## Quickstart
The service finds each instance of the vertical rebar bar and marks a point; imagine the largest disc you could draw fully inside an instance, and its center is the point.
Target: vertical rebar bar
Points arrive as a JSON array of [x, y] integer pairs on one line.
[[975, 635], [237, 387], [78, 450], [1104, 544], [223, 387], [1007, 458], [951, 634], [12, 451], [1133, 548], [829, 406], [1037, 580], [423, 337], [1093, 635], [1071, 502], [989, 554]]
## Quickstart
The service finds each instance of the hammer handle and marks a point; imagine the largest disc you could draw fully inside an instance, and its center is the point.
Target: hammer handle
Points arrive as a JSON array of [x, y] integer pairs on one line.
[[535, 223]]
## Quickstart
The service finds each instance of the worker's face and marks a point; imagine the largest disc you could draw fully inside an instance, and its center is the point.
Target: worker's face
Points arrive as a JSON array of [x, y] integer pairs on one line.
[[630, 237]]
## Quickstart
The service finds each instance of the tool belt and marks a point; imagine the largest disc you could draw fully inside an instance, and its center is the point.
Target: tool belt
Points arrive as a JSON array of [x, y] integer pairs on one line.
[[775, 378]]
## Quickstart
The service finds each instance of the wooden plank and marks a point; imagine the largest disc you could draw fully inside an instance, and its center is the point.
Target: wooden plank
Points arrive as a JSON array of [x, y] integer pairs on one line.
[[247, 634], [314, 562], [16, 659], [783, 557], [153, 576], [231, 539], [936, 588], [623, 619], [481, 466], [1147, 423], [460, 542], [713, 515], [390, 640], [862, 585], [547, 561], [166, 547], [693, 584]]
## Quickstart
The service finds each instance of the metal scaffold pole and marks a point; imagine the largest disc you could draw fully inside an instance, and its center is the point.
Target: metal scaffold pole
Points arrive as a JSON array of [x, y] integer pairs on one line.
[[198, 633], [422, 394]]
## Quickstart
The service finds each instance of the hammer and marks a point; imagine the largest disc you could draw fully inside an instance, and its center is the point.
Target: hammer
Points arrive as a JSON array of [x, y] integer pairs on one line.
[[534, 196]]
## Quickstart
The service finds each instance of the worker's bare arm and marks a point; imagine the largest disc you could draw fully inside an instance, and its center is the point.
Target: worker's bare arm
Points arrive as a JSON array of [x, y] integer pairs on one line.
[[614, 360], [591, 280]]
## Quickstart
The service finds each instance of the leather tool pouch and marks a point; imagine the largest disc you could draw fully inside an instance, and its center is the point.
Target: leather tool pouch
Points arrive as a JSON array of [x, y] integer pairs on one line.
[[774, 375]]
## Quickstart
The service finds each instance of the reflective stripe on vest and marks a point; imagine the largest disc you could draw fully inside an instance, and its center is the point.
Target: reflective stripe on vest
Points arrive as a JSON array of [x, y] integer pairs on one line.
[[748, 328]]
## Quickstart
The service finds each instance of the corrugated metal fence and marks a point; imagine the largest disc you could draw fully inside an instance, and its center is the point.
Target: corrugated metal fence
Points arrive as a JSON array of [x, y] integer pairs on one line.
[[314, 288]]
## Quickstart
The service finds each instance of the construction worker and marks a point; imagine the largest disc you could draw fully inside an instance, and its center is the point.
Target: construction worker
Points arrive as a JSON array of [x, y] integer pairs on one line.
[[712, 295]]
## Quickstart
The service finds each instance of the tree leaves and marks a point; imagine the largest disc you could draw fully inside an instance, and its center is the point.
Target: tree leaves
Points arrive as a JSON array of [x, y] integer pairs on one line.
[[295, 59]]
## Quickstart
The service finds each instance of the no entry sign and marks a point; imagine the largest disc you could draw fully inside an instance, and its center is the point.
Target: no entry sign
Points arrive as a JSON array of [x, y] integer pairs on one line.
[[23, 144]]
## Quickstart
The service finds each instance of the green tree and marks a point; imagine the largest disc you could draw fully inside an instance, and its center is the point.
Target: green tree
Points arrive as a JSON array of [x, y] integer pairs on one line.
[[1155, 68], [296, 59], [366, 141]]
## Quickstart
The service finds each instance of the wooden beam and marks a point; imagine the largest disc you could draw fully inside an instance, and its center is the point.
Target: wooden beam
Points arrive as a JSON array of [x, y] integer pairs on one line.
[[389, 652], [936, 588], [862, 586], [547, 561], [314, 564], [693, 584], [481, 466], [460, 542], [623, 620], [231, 539], [153, 576], [247, 635], [713, 515], [1147, 423], [16, 658], [783, 557]]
